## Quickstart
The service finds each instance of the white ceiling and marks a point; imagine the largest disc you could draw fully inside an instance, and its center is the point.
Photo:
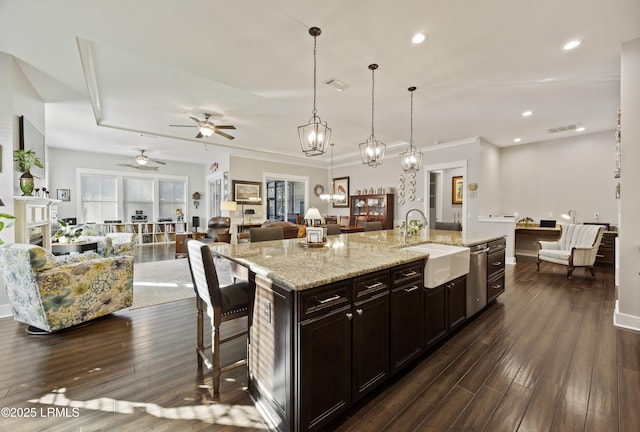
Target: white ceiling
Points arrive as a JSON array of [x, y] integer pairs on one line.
[[157, 62]]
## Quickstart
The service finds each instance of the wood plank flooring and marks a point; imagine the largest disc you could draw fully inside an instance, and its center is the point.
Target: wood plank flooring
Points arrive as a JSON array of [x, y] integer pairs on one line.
[[545, 357]]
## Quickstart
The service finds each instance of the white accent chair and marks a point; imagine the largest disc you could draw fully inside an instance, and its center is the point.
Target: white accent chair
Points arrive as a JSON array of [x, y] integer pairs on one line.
[[577, 247]]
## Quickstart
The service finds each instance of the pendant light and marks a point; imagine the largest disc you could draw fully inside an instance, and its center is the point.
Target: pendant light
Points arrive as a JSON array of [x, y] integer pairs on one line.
[[411, 160], [315, 135], [372, 150], [332, 197]]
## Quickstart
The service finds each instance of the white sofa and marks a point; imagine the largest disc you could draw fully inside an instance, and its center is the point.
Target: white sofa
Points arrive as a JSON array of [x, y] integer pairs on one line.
[[577, 247]]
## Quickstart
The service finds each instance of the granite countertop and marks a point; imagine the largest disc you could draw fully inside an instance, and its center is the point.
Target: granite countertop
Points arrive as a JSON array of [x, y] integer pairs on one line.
[[290, 264]]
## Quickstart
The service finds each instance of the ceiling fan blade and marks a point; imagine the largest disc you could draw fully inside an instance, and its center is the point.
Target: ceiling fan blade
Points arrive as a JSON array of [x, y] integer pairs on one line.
[[225, 127], [195, 119], [157, 161], [224, 134], [191, 126], [199, 135]]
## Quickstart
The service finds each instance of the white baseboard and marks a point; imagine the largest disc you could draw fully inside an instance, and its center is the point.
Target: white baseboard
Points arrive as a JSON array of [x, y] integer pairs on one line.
[[5, 310], [630, 322]]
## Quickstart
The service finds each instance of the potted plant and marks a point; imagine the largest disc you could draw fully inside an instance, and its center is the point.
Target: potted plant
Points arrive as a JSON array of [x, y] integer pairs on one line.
[[26, 159], [66, 233], [9, 221]]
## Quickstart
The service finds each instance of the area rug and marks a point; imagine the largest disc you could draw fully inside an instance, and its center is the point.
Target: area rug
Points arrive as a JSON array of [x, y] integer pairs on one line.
[[168, 281]]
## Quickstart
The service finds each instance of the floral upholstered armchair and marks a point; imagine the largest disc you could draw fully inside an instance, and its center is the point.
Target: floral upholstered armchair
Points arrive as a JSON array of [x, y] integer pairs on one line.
[[50, 293], [109, 244]]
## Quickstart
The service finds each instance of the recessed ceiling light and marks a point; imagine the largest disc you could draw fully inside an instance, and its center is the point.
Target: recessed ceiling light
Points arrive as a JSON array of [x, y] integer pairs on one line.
[[517, 140], [418, 38], [527, 113], [572, 44], [580, 129]]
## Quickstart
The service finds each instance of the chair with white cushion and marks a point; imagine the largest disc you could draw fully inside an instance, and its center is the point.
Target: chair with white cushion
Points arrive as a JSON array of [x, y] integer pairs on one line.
[[577, 247]]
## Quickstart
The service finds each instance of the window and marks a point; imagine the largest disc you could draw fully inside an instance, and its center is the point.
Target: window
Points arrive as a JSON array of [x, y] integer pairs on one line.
[[99, 197], [172, 198], [286, 197], [113, 196]]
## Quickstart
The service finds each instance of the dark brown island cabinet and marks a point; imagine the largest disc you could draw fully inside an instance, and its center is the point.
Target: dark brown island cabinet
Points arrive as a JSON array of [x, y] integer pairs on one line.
[[315, 352]]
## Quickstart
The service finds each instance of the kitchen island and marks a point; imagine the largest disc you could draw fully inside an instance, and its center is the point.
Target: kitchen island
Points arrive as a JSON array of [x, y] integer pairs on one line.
[[329, 324]]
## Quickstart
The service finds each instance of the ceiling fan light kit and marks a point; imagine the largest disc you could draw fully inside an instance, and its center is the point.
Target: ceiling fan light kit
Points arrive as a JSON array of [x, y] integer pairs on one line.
[[206, 128], [372, 150], [314, 136], [411, 160]]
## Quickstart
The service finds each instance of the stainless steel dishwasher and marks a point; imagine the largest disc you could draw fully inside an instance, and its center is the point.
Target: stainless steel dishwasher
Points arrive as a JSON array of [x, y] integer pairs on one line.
[[477, 279]]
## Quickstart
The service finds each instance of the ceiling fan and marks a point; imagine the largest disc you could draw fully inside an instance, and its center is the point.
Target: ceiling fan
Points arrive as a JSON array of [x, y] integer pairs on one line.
[[142, 161], [207, 128]]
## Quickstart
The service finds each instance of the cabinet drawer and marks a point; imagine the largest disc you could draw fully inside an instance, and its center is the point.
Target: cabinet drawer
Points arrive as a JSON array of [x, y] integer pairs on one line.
[[495, 287], [407, 273], [324, 299], [495, 263], [371, 283], [496, 245]]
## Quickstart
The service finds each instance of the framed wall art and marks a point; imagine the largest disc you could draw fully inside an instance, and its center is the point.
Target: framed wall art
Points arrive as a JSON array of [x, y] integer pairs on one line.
[[63, 194], [341, 187], [247, 192], [457, 190]]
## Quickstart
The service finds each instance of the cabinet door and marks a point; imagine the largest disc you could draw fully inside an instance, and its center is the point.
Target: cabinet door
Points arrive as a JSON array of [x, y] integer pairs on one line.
[[324, 387], [435, 314], [407, 325], [456, 302], [370, 343]]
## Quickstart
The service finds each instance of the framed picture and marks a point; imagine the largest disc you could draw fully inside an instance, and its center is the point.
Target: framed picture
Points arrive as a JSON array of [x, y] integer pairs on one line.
[[457, 190], [64, 194], [341, 187], [247, 192]]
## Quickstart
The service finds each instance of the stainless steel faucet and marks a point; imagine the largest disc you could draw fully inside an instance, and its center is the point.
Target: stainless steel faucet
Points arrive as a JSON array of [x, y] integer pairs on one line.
[[406, 221]]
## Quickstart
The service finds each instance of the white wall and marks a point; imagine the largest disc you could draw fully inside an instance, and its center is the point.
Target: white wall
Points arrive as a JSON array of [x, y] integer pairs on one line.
[[627, 313], [242, 168], [543, 180], [18, 98]]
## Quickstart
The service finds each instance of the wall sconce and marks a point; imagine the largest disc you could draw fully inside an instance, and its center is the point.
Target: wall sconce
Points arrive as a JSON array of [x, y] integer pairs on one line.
[[473, 190], [196, 199], [571, 214]]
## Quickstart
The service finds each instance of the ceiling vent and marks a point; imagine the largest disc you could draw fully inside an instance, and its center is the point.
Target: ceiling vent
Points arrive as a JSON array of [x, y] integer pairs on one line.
[[336, 84], [569, 127]]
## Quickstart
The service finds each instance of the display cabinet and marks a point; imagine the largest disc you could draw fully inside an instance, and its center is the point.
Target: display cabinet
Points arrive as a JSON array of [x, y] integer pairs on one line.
[[377, 208]]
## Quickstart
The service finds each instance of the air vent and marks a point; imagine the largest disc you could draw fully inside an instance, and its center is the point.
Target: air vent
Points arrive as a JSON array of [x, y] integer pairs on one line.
[[336, 84], [569, 127]]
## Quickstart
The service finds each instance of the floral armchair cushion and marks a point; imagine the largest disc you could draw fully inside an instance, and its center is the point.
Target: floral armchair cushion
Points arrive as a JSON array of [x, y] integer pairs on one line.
[[55, 292]]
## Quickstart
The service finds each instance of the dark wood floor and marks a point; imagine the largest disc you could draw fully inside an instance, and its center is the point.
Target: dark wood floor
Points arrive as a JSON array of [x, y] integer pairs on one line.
[[545, 357]]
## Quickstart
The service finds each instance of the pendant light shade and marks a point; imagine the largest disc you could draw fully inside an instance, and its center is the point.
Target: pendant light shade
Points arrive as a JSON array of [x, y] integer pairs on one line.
[[411, 160], [314, 136], [332, 197], [372, 150]]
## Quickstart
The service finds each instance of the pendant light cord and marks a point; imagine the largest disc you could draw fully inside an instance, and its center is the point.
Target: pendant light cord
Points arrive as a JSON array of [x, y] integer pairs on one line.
[[411, 133], [373, 86], [315, 39]]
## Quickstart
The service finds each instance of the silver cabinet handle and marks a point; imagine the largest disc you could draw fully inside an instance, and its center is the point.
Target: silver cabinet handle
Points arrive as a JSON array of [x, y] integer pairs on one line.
[[497, 263], [413, 288], [327, 300], [411, 273], [375, 285], [359, 311], [496, 286], [349, 315]]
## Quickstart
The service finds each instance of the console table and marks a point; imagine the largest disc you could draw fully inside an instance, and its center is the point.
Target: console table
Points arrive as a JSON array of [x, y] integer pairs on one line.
[[527, 238]]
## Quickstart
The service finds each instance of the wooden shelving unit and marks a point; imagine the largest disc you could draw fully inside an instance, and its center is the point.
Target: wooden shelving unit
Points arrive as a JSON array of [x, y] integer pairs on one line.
[[148, 232], [377, 207]]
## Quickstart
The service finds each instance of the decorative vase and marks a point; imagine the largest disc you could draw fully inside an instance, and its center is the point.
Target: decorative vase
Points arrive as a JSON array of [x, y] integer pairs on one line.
[[63, 240], [26, 183]]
